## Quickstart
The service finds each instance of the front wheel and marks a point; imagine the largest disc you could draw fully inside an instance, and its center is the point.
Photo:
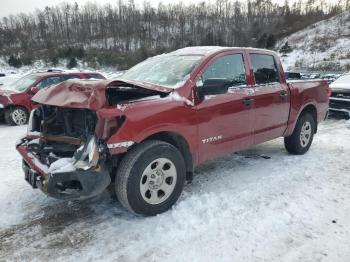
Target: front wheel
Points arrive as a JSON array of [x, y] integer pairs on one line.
[[150, 178], [301, 139], [16, 116]]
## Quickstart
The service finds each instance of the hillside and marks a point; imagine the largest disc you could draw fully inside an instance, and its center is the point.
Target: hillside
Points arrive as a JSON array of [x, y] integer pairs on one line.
[[122, 34], [322, 46]]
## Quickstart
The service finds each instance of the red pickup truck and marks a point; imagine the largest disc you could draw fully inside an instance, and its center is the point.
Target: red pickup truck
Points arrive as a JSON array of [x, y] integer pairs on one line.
[[15, 99], [145, 132]]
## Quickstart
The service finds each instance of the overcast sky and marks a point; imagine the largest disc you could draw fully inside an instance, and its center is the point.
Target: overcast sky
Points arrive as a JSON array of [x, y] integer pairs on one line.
[[8, 7]]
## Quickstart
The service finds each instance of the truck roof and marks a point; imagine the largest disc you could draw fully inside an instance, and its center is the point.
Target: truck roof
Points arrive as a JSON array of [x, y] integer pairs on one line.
[[209, 50], [55, 73]]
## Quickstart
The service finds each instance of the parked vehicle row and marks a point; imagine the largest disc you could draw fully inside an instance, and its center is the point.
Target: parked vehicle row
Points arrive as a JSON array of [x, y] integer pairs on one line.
[[144, 133], [15, 99], [329, 77], [293, 75], [340, 85], [298, 75]]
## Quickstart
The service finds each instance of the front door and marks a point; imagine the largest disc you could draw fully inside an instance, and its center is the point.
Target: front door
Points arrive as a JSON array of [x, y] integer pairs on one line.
[[225, 121]]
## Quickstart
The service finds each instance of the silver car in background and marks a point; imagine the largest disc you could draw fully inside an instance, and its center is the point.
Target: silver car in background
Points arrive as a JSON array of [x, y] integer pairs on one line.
[[339, 102]]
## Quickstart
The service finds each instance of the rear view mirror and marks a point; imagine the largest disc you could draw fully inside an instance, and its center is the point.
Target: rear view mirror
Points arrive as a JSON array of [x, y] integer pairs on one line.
[[213, 86], [34, 90]]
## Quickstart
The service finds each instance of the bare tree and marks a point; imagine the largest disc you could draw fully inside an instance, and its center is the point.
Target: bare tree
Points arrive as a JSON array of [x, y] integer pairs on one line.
[[123, 34]]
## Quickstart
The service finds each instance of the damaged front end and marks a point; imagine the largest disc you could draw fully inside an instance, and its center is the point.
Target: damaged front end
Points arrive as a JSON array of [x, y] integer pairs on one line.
[[68, 152], [61, 154]]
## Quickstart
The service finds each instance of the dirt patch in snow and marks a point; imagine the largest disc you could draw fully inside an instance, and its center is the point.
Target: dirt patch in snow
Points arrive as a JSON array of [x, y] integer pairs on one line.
[[57, 225]]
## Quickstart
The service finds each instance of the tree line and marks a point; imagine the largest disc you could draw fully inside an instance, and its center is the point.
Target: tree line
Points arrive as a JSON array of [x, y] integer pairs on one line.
[[122, 34]]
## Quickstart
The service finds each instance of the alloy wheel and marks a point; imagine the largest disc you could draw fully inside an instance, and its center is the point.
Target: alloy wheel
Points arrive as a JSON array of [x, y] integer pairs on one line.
[[158, 181], [305, 134], [19, 116]]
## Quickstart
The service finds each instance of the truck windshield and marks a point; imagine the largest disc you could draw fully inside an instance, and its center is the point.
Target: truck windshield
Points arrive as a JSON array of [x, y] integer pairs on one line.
[[23, 83], [167, 70]]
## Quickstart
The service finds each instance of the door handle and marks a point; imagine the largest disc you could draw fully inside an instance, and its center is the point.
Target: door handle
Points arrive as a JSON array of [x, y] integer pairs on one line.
[[248, 101], [283, 94]]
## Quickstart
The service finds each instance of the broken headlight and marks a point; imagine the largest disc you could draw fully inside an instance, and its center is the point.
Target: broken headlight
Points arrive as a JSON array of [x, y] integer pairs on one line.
[[87, 155]]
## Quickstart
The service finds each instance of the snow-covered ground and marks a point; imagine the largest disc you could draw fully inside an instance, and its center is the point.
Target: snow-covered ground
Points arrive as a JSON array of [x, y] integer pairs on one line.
[[243, 207], [326, 43]]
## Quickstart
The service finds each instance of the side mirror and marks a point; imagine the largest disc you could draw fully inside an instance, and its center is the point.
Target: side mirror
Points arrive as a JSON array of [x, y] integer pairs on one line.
[[213, 86], [34, 90]]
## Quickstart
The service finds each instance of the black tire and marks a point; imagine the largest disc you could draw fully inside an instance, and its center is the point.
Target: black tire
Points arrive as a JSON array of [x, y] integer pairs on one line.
[[131, 170], [294, 143], [11, 116]]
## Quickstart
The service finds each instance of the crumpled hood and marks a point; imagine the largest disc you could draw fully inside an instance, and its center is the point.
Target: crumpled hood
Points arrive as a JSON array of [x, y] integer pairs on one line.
[[85, 93], [74, 94]]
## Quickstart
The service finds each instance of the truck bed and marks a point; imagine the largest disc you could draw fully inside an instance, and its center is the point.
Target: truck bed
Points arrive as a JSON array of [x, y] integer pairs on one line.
[[304, 93]]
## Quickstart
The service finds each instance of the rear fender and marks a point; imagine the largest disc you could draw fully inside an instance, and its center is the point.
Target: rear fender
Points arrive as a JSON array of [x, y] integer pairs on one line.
[[293, 117]]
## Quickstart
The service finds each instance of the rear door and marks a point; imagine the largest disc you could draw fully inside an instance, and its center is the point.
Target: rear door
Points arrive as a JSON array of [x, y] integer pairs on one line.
[[272, 98], [225, 121]]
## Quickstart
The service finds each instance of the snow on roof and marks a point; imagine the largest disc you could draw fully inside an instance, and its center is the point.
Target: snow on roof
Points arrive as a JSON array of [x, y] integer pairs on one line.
[[198, 50], [208, 50]]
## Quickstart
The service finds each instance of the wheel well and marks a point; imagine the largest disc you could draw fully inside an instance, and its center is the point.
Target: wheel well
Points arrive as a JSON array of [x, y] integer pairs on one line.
[[14, 106], [8, 109], [181, 144], [312, 110]]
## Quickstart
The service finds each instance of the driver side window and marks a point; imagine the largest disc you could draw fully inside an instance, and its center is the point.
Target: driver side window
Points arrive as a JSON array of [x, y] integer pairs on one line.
[[228, 67]]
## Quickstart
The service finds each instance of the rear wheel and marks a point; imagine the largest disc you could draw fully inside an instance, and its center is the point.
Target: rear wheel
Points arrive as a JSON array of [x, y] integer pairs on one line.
[[16, 116], [301, 139], [150, 178]]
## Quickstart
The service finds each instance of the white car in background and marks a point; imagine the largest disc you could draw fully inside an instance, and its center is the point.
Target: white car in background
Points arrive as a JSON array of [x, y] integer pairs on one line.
[[339, 102]]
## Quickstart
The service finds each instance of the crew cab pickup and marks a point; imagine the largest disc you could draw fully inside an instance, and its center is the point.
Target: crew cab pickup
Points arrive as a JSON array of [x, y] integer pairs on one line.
[[144, 133], [15, 98]]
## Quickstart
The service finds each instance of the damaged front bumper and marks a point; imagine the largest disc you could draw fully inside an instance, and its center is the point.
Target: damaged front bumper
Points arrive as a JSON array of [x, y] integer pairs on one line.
[[78, 184]]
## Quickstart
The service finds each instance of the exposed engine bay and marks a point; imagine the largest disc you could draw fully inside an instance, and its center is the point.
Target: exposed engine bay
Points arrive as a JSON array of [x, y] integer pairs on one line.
[[62, 131], [123, 92]]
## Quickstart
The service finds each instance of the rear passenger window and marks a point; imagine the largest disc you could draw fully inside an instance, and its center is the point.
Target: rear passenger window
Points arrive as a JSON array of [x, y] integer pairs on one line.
[[265, 69], [229, 67], [67, 77], [95, 76], [53, 80]]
